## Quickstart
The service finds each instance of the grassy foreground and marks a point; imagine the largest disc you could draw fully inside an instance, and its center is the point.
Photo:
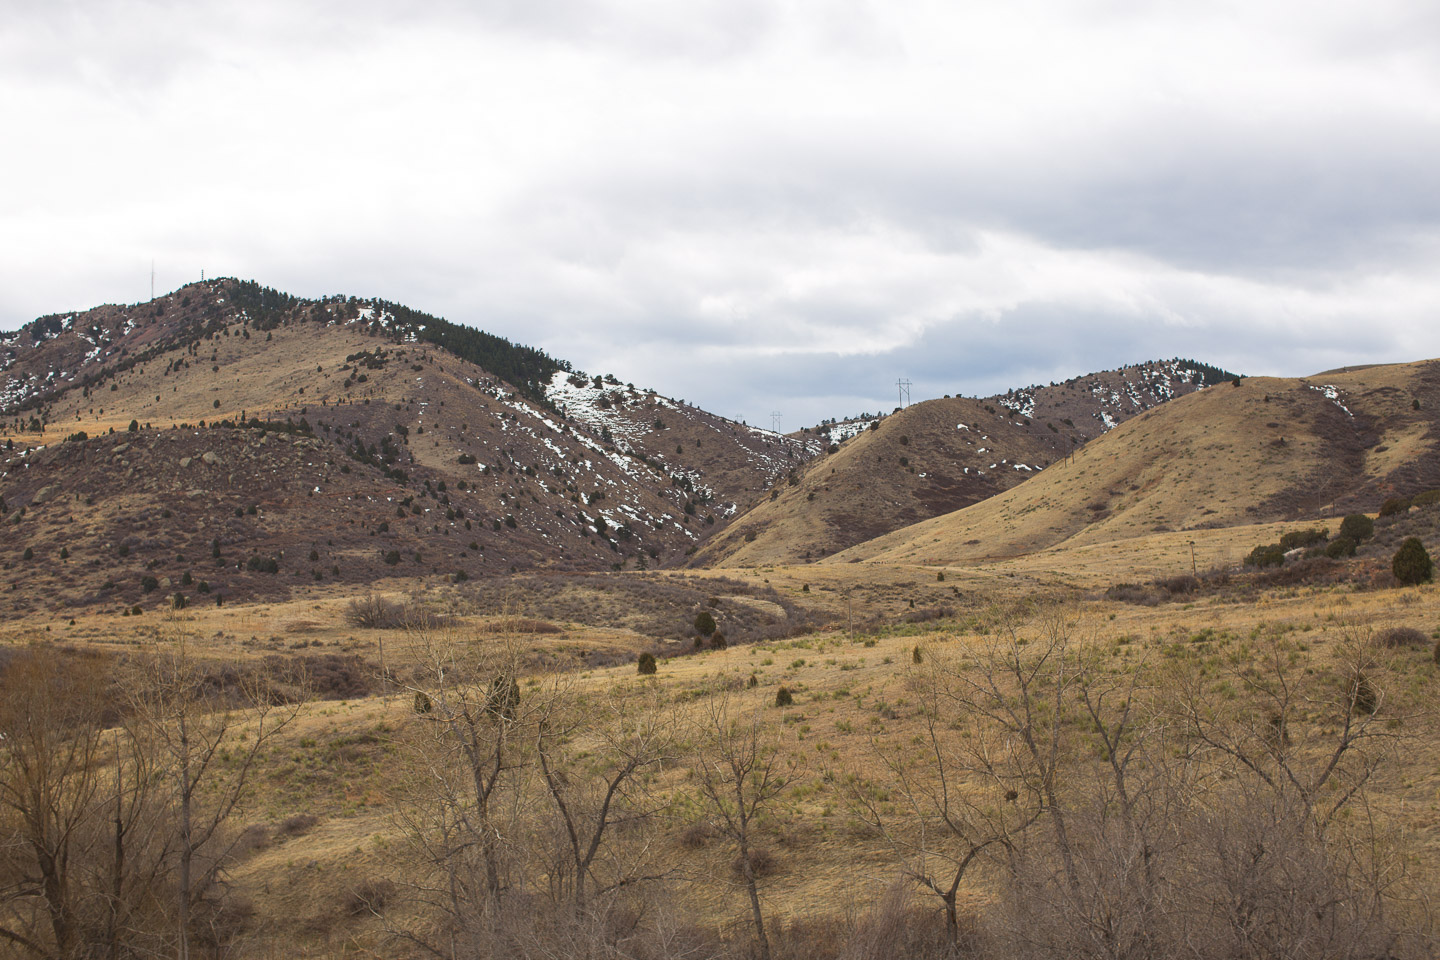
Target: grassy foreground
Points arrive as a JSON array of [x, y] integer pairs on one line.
[[1029, 769]]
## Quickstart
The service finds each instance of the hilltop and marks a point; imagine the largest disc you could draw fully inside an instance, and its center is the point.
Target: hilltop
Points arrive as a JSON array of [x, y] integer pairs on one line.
[[937, 456], [1266, 450], [262, 443]]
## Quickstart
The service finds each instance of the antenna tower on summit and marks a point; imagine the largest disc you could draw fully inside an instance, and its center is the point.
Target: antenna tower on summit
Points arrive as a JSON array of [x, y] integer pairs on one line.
[[775, 419], [904, 387], [152, 278]]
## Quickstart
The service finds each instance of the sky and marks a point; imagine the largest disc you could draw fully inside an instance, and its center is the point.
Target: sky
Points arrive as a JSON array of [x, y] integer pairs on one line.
[[754, 206]]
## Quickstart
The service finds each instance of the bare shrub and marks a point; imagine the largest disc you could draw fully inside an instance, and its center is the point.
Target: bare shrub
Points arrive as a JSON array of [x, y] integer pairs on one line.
[[373, 613], [1132, 593], [369, 897], [697, 835], [1185, 584], [929, 614], [297, 825], [1402, 637], [893, 928], [331, 676], [762, 862], [252, 839], [523, 625]]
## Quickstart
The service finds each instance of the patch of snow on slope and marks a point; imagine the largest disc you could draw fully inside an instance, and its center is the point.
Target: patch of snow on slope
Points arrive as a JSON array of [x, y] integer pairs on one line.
[[843, 430], [1021, 402], [1333, 395], [585, 404]]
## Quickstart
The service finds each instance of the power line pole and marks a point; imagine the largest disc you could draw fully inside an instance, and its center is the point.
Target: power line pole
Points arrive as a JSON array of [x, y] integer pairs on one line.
[[904, 387], [775, 419], [152, 278]]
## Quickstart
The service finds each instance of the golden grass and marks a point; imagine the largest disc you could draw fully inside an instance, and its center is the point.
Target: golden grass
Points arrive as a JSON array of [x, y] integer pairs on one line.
[[1210, 460], [840, 683]]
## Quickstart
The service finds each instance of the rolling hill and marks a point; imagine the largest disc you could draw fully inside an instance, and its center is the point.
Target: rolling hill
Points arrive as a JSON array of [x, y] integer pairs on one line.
[[937, 456], [1270, 449], [259, 443]]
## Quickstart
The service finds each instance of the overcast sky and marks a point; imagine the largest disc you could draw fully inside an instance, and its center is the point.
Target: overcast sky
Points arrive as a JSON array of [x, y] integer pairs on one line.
[[752, 205]]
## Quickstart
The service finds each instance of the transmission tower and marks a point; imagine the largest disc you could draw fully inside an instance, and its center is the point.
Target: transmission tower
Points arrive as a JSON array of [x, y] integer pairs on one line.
[[152, 279], [775, 419], [904, 387]]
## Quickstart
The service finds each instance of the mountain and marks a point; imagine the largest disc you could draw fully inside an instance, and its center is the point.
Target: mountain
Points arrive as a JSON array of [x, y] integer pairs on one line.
[[1268, 449], [937, 456], [263, 443]]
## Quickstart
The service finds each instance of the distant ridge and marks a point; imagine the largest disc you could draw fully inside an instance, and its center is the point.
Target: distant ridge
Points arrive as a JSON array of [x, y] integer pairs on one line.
[[936, 456], [1269, 449]]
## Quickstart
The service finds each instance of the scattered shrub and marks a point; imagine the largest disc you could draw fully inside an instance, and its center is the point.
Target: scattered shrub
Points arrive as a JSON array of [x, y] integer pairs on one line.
[[1401, 637], [1412, 564], [297, 825], [1132, 593], [1304, 538], [1266, 555], [645, 666], [372, 612], [718, 641], [696, 835], [369, 897], [259, 564], [149, 584], [1358, 527], [1394, 505], [1366, 697], [503, 698], [1427, 499], [1340, 547], [29, 554], [783, 697], [704, 623], [762, 864]]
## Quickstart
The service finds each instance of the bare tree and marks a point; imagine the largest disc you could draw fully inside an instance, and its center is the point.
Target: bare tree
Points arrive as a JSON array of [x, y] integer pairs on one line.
[[594, 753], [741, 773], [961, 794], [191, 729], [50, 790], [473, 755]]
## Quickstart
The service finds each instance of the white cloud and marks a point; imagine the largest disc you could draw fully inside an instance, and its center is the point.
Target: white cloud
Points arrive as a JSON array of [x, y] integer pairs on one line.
[[784, 195]]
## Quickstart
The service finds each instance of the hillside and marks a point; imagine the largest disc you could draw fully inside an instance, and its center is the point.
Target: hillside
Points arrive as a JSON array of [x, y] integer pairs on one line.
[[1270, 449], [937, 456], [354, 438]]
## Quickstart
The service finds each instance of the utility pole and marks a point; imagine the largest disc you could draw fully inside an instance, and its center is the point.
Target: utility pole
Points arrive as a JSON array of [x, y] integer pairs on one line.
[[904, 387], [152, 278], [775, 419]]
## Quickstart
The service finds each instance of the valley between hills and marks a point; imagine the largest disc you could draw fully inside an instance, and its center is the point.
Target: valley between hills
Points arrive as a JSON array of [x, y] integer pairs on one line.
[[476, 653]]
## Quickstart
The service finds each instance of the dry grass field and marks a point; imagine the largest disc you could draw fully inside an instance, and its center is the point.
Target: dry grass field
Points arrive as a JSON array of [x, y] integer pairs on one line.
[[326, 833]]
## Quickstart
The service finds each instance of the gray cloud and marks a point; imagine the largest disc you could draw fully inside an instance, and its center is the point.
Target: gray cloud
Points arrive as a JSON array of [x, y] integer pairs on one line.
[[753, 205]]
